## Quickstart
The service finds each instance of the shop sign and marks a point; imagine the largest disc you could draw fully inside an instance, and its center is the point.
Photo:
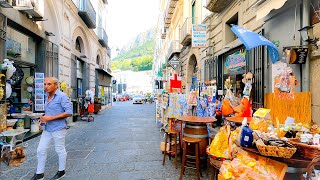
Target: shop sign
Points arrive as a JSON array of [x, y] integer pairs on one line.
[[174, 62], [236, 60], [199, 35], [297, 55]]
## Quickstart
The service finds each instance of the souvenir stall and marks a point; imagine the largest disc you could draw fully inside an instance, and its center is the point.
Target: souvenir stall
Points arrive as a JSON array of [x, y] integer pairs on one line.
[[264, 143], [23, 102]]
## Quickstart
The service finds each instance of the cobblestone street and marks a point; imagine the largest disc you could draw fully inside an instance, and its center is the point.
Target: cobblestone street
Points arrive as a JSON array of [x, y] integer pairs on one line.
[[122, 143]]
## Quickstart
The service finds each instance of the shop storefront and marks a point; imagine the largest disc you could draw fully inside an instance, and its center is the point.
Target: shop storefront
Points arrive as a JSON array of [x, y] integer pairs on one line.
[[103, 87], [234, 64], [26, 54]]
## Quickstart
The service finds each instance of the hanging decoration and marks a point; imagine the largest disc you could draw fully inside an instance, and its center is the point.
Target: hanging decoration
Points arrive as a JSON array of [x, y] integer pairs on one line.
[[284, 84], [248, 81]]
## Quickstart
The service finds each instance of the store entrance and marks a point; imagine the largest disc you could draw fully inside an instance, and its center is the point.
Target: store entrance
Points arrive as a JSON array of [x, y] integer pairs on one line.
[[237, 84]]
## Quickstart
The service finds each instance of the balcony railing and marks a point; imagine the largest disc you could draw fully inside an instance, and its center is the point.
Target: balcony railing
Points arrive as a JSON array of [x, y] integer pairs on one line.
[[218, 6], [86, 12], [30, 7], [171, 5], [174, 47], [186, 31], [102, 36]]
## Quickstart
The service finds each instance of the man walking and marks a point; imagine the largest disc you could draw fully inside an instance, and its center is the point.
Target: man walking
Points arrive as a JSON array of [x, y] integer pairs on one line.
[[57, 108]]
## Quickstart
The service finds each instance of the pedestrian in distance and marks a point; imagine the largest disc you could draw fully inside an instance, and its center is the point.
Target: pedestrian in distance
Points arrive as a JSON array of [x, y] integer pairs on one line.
[[57, 108]]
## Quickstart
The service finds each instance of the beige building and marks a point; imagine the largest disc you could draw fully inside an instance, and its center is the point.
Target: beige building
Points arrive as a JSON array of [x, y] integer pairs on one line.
[[175, 41], [62, 38], [277, 20]]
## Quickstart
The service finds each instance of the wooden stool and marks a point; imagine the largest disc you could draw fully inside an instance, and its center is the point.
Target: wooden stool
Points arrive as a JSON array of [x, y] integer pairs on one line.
[[171, 134], [196, 142]]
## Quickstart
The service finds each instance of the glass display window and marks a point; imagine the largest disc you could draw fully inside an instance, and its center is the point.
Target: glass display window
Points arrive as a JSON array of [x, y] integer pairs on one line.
[[20, 46]]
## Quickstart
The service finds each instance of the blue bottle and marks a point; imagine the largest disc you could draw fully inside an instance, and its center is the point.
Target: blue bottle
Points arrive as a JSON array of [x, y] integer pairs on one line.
[[246, 137]]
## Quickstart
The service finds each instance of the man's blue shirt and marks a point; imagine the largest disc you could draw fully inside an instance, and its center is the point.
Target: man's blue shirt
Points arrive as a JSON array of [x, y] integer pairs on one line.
[[59, 103]]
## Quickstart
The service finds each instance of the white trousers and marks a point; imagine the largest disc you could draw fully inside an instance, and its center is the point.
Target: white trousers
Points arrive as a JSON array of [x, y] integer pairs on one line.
[[59, 144]]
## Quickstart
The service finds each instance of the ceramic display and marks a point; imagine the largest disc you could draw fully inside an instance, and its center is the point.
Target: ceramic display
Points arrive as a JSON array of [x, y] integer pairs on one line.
[[30, 89], [17, 77], [14, 94], [8, 90], [30, 80]]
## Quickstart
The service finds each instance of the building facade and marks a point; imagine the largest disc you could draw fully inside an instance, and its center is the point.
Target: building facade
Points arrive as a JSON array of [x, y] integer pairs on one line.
[[277, 20], [66, 39]]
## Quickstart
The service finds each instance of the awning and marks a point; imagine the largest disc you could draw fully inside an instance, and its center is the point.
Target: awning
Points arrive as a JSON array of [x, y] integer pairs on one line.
[[103, 78], [265, 8], [104, 72]]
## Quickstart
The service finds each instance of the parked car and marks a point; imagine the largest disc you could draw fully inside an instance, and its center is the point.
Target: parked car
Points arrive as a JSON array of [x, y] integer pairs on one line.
[[124, 97], [138, 99]]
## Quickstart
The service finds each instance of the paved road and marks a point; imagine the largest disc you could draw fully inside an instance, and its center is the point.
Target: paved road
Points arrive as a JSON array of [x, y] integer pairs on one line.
[[122, 143]]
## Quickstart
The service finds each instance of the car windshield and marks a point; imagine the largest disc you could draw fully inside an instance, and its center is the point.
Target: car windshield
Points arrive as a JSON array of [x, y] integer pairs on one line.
[[138, 96]]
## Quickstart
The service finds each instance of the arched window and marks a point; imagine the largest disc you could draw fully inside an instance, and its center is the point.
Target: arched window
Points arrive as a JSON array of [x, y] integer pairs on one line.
[[78, 45], [98, 59]]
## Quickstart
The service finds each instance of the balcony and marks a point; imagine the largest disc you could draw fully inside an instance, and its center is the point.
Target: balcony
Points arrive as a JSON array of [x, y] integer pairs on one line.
[[171, 5], [30, 7], [186, 31], [86, 12], [102, 36], [174, 47], [218, 6]]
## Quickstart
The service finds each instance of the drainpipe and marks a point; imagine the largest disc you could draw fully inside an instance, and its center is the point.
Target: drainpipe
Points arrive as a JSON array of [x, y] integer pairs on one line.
[[306, 66]]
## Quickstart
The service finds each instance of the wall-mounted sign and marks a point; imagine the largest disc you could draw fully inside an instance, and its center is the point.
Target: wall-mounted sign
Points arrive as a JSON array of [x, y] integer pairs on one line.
[[236, 60], [199, 35], [174, 62], [296, 55]]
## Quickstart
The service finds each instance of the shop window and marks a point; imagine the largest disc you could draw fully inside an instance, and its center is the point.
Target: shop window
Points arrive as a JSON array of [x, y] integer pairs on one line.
[[229, 35], [52, 59], [20, 46]]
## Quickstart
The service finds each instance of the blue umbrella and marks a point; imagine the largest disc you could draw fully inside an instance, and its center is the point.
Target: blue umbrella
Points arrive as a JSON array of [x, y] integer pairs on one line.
[[251, 40]]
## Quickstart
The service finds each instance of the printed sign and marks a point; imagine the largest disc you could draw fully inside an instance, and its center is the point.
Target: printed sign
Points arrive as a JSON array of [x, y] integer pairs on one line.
[[199, 35], [39, 92], [174, 62], [236, 60], [298, 55]]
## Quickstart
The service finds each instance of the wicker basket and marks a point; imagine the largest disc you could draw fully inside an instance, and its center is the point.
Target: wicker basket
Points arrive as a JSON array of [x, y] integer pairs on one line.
[[284, 152], [307, 151]]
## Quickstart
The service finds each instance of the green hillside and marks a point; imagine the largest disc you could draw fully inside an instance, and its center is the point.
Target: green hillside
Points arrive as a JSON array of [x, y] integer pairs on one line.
[[137, 55]]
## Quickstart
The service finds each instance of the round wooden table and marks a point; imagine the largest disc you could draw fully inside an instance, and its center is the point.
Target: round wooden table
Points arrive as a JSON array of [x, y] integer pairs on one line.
[[238, 120], [195, 127], [197, 119]]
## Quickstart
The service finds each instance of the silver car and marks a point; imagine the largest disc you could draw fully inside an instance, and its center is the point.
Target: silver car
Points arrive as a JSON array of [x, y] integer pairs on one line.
[[138, 99]]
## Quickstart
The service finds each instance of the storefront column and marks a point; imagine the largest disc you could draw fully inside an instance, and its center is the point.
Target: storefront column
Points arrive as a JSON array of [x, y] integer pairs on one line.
[[306, 66]]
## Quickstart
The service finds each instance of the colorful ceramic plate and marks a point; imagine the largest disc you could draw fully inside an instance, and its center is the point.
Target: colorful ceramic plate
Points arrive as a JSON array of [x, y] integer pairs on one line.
[[30, 80]]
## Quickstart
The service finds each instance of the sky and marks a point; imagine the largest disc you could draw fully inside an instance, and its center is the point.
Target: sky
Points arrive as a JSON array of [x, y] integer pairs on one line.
[[128, 18]]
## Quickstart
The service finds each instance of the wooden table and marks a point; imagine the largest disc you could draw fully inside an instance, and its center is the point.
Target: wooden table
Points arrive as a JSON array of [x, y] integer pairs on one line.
[[197, 119], [238, 120], [196, 127]]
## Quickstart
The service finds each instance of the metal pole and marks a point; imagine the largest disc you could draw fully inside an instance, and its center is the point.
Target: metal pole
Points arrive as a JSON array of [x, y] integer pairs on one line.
[[306, 66]]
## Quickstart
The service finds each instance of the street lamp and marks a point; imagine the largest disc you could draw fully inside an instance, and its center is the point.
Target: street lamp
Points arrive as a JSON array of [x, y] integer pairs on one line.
[[307, 35]]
